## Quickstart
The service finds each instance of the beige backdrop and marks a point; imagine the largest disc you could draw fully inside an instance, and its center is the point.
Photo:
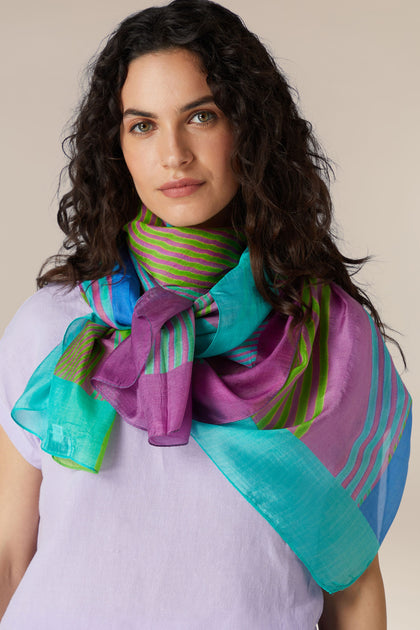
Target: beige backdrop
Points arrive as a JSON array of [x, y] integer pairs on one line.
[[355, 65]]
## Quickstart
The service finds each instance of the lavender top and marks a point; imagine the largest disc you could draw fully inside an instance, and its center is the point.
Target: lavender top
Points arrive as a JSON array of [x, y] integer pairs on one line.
[[158, 540]]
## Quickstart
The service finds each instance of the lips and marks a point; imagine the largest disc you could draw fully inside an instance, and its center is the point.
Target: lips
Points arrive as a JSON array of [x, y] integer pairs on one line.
[[181, 187]]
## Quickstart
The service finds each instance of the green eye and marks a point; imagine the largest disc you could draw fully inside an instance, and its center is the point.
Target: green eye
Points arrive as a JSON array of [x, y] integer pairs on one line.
[[141, 127], [203, 117]]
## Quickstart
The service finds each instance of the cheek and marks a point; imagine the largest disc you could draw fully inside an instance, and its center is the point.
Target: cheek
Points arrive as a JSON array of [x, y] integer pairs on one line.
[[137, 165], [224, 162], [219, 155]]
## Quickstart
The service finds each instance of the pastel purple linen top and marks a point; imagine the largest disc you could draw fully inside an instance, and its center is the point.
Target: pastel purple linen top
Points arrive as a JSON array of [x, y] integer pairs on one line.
[[158, 540]]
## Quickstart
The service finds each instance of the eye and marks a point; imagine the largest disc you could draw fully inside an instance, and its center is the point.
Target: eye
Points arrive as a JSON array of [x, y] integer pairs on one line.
[[142, 127], [203, 117]]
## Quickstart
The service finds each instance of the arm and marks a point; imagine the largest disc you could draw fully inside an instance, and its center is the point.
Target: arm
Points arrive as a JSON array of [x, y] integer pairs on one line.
[[19, 516], [361, 605]]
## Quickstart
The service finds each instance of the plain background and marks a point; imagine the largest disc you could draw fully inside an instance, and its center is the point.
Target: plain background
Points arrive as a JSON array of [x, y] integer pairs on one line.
[[355, 66]]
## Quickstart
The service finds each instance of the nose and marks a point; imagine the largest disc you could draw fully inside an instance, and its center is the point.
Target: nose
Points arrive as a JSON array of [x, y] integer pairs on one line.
[[174, 149]]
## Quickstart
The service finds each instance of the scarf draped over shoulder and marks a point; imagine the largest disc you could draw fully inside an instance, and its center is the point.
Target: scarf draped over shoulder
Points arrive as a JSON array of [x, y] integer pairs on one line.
[[310, 423]]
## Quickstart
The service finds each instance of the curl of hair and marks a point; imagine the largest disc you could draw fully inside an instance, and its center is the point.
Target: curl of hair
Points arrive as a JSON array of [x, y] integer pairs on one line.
[[283, 207]]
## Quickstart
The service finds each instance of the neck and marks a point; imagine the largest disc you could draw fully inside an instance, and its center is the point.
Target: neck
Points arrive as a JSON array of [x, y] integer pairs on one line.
[[189, 258]]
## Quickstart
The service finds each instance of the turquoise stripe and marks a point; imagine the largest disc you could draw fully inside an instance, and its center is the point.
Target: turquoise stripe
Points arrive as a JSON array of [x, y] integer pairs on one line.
[[163, 338], [188, 318], [149, 366], [146, 280], [373, 394], [385, 397], [177, 341], [245, 359], [284, 481], [87, 288], [105, 298]]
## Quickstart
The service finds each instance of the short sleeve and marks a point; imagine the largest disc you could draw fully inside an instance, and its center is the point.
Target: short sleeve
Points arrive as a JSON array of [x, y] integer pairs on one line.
[[26, 443], [35, 330]]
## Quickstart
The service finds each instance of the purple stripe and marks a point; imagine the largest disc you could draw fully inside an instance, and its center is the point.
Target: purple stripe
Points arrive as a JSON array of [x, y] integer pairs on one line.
[[313, 397]]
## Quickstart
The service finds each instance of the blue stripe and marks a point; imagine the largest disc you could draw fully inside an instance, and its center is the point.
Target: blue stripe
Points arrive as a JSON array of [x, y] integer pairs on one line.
[[382, 503]]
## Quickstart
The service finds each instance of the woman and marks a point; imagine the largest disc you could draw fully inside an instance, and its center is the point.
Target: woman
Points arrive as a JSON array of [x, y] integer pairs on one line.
[[218, 317]]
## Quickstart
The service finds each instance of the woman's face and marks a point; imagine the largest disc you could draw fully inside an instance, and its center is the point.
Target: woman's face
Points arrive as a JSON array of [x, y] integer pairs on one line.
[[176, 142]]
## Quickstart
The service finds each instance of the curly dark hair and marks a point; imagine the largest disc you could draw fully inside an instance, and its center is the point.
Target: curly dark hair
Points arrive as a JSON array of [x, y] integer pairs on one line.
[[283, 206]]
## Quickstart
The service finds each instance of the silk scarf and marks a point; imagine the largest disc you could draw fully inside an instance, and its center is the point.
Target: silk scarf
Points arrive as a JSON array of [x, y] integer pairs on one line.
[[310, 423]]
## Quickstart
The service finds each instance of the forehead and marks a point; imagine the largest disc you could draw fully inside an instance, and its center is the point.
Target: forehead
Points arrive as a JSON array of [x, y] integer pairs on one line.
[[162, 78]]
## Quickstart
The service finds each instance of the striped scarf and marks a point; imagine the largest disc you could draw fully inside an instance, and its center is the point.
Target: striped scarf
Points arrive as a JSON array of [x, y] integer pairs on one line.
[[310, 423]]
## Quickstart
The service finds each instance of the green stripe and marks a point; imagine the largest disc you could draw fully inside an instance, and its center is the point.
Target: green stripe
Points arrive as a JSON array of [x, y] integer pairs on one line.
[[158, 238], [265, 421], [286, 411], [77, 351], [79, 376], [323, 362], [323, 349], [293, 374], [74, 354], [297, 368], [306, 386], [305, 425], [305, 393]]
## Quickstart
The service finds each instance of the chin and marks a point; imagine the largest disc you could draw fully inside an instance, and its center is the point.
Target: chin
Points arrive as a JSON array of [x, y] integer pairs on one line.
[[220, 219]]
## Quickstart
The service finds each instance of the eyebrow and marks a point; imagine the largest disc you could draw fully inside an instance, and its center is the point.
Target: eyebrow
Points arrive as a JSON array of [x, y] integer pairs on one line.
[[197, 103]]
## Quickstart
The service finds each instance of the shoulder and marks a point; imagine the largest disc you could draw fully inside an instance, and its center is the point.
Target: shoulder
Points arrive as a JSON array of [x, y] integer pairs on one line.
[[46, 314], [37, 327]]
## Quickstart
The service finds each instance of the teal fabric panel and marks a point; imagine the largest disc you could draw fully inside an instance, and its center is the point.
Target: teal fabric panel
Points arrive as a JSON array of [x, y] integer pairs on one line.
[[55, 418], [297, 495], [228, 293]]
